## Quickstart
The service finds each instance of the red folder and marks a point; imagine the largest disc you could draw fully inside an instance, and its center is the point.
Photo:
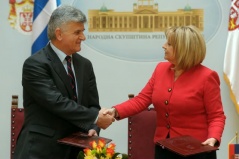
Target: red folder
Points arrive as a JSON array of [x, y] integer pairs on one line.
[[82, 140], [186, 145]]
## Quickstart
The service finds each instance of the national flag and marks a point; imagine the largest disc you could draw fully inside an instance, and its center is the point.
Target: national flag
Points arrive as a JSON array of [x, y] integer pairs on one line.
[[231, 59], [233, 151], [41, 15]]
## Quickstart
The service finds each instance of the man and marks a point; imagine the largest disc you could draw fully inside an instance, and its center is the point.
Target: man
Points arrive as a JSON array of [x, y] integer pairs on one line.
[[60, 95]]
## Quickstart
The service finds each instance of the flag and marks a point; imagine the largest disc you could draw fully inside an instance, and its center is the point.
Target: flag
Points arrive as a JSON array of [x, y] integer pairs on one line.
[[231, 59], [233, 151], [41, 15]]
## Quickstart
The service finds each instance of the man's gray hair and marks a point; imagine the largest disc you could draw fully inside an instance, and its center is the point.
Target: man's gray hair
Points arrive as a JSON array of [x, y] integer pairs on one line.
[[63, 15]]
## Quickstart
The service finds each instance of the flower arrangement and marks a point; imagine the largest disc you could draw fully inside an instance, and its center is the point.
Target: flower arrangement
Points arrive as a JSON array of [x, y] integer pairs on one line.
[[101, 150]]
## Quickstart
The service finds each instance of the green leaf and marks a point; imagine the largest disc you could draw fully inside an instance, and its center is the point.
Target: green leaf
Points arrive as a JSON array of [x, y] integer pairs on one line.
[[81, 155]]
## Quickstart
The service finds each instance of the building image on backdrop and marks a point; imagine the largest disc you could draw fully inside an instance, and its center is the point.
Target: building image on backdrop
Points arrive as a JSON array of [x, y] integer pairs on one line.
[[145, 17]]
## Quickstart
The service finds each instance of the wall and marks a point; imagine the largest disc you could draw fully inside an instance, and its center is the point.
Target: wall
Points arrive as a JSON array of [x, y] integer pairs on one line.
[[115, 78]]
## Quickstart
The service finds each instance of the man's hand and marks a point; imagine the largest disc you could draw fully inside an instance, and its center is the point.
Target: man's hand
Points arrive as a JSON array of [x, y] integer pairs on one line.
[[92, 132], [104, 120]]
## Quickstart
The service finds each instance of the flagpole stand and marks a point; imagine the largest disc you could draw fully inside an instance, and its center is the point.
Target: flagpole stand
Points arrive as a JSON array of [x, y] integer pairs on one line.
[[233, 148]]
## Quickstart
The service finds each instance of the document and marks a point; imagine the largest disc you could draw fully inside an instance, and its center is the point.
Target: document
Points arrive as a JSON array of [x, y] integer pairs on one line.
[[82, 140], [185, 145]]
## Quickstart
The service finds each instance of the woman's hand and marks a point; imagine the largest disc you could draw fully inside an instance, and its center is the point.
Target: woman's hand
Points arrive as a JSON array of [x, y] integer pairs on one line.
[[210, 141], [111, 111]]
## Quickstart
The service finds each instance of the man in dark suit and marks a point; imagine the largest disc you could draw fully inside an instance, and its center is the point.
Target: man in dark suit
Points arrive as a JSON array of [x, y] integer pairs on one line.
[[54, 107]]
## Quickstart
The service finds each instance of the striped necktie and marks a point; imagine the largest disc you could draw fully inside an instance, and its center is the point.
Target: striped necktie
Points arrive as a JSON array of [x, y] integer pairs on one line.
[[72, 77]]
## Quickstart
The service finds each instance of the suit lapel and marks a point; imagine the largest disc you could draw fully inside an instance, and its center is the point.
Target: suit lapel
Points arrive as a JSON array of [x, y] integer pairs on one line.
[[78, 67], [59, 69]]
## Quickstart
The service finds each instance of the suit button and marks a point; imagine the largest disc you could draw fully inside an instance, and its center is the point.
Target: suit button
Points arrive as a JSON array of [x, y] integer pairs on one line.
[[170, 89], [168, 126], [166, 115], [166, 102]]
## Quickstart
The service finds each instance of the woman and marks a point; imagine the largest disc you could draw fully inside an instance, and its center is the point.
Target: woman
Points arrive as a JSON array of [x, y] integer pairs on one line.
[[185, 94]]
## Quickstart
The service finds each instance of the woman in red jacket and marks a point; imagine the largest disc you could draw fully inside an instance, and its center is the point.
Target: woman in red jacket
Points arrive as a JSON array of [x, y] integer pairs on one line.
[[185, 94]]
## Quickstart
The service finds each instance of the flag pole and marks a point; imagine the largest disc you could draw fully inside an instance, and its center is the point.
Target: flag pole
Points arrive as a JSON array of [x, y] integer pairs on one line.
[[236, 137]]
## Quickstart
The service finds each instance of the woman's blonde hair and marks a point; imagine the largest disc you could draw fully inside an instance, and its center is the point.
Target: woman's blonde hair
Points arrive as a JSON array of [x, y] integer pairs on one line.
[[189, 46]]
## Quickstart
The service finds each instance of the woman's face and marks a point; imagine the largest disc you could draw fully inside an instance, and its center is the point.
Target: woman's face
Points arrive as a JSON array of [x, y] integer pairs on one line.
[[169, 53]]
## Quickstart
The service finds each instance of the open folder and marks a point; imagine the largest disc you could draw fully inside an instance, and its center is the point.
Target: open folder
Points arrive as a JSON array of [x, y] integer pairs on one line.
[[186, 145], [82, 140]]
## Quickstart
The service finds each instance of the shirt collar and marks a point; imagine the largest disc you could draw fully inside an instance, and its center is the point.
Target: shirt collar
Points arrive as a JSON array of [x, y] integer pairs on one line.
[[59, 53]]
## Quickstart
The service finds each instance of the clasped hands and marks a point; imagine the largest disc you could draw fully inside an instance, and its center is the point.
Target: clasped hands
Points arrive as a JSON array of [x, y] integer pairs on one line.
[[106, 117]]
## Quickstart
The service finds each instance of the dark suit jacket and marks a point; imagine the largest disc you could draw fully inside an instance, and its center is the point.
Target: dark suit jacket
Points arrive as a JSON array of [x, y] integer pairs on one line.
[[50, 114]]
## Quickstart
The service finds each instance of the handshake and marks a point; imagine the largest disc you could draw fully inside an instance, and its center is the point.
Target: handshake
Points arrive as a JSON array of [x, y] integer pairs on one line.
[[106, 117]]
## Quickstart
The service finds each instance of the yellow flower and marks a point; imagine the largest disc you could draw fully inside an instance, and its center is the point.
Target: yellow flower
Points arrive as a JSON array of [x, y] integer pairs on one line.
[[109, 152], [100, 150], [89, 157], [112, 146], [93, 144], [101, 143], [87, 152]]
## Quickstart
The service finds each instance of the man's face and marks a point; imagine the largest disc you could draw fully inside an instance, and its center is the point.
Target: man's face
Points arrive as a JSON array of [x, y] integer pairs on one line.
[[71, 37]]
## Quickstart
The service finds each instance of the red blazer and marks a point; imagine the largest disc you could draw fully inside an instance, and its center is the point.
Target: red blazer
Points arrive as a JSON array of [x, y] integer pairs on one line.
[[191, 105]]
